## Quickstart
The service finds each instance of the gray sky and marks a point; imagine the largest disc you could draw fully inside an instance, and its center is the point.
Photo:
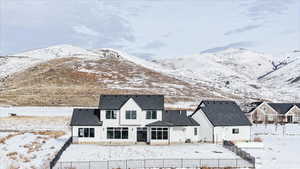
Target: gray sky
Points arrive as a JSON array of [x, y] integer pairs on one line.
[[151, 28]]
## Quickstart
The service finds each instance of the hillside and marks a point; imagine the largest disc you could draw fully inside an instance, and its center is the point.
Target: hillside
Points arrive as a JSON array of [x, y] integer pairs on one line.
[[68, 75], [243, 72], [56, 76]]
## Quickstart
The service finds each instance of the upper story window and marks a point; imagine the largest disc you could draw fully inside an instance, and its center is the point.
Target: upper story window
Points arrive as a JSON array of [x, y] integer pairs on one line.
[[151, 114], [235, 131], [110, 114], [130, 114]]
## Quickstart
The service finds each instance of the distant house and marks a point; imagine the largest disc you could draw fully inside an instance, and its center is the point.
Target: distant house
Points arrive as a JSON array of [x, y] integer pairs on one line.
[[221, 120], [275, 113], [130, 119]]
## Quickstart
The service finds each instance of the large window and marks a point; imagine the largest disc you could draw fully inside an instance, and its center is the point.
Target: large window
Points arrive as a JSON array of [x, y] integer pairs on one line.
[[110, 114], [130, 114], [159, 133], [86, 132], [117, 133], [151, 114], [235, 131]]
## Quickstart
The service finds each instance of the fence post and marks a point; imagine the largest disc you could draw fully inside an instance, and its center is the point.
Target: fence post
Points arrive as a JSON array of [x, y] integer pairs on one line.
[[218, 163], [89, 164], [107, 164], [163, 161], [200, 163], [181, 163], [236, 163], [144, 163], [126, 164]]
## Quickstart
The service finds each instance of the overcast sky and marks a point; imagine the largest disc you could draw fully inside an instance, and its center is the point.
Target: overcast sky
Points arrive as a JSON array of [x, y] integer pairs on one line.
[[151, 28]]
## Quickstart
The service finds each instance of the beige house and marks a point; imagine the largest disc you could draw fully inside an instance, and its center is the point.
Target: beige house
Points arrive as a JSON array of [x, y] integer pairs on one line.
[[275, 113]]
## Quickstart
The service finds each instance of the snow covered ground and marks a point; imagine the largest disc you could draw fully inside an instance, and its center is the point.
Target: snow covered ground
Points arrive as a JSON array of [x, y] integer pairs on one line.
[[81, 152], [35, 111], [279, 149], [29, 150]]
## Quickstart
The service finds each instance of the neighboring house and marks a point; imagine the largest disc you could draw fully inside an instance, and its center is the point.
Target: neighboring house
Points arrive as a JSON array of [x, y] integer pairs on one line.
[[275, 113], [222, 120], [127, 119]]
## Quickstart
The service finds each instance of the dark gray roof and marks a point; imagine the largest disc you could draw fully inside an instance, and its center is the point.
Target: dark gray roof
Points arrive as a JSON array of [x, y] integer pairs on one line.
[[146, 102], [223, 113], [160, 123], [281, 108], [175, 118], [86, 117]]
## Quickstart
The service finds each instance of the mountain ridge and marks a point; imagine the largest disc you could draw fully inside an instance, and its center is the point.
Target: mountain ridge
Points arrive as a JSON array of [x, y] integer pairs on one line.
[[228, 74]]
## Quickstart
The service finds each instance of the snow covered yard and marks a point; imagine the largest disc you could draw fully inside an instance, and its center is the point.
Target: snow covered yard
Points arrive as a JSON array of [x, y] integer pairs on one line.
[[280, 146], [29, 150], [85, 152], [83, 156]]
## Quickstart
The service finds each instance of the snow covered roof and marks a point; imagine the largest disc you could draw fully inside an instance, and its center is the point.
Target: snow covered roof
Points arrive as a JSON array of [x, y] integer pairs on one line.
[[86, 117], [281, 108], [146, 102], [175, 118], [223, 113]]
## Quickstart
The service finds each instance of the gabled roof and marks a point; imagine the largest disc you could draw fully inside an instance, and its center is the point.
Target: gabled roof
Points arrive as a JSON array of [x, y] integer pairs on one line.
[[281, 108], [175, 118], [146, 102], [298, 105], [86, 117], [223, 113]]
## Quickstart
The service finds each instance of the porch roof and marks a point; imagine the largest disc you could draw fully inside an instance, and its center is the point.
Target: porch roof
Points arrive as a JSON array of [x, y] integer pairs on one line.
[[160, 123]]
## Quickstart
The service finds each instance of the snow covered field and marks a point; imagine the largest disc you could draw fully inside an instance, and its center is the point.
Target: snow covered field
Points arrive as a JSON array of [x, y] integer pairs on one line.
[[31, 150], [280, 146]]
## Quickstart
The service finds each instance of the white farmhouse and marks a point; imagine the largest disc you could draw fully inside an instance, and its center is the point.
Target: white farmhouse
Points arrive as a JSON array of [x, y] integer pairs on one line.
[[130, 119], [222, 120]]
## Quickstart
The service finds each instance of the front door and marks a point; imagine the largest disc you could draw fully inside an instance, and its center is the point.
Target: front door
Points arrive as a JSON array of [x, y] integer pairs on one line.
[[290, 119], [141, 134]]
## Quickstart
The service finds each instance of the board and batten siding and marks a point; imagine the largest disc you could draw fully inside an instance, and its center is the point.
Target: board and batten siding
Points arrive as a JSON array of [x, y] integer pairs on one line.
[[205, 128], [182, 134], [226, 133]]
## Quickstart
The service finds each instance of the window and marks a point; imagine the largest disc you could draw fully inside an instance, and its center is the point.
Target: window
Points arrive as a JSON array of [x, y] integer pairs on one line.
[[151, 114], [130, 114], [117, 133], [110, 114], [86, 132], [235, 131], [195, 132], [159, 133]]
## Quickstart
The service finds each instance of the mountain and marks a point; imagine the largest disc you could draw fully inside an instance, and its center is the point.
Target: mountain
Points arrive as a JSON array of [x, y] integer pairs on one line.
[[69, 75], [243, 72]]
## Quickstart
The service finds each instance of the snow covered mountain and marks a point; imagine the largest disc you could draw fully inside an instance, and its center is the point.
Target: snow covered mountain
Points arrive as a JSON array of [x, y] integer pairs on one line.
[[69, 75], [243, 72]]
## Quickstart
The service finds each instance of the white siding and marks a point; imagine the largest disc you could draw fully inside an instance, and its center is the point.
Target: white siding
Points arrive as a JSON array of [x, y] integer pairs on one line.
[[225, 133], [101, 136], [182, 134], [206, 128]]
